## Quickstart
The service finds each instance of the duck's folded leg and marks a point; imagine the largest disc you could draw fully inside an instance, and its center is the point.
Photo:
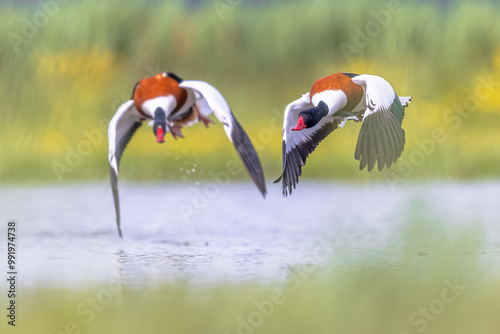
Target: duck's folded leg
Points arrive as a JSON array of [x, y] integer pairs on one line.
[[175, 130], [205, 120]]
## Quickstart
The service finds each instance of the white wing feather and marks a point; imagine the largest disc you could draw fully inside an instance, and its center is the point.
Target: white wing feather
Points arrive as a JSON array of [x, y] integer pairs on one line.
[[211, 100], [379, 93], [123, 120], [292, 111], [120, 130]]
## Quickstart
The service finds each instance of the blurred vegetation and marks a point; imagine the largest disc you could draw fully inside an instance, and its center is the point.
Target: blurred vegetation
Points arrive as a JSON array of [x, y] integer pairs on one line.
[[436, 281], [68, 75]]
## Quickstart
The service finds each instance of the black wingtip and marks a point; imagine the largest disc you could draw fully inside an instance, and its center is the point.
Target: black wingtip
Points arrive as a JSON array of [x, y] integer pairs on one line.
[[263, 192], [175, 77], [133, 91], [260, 181], [248, 156], [278, 179], [350, 75], [294, 158]]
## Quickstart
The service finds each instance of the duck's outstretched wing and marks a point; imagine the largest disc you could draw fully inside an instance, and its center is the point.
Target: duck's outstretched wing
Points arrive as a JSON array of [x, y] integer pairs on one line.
[[381, 138], [297, 145], [211, 100], [120, 130]]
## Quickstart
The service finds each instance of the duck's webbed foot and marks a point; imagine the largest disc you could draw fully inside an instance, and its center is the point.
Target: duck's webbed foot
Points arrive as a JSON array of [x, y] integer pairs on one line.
[[205, 120], [175, 130]]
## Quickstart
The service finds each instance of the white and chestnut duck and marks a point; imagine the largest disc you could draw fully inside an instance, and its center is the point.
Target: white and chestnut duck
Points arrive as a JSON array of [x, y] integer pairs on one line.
[[172, 103], [332, 101]]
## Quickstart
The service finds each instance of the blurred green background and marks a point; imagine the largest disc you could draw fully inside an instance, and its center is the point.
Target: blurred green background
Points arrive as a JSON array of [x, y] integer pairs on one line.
[[67, 66]]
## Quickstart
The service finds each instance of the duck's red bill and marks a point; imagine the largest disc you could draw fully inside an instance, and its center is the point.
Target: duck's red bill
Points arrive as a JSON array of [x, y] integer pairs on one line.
[[159, 135], [300, 125]]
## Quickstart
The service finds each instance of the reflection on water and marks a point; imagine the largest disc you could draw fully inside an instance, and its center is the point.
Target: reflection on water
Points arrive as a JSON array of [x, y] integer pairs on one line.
[[67, 235]]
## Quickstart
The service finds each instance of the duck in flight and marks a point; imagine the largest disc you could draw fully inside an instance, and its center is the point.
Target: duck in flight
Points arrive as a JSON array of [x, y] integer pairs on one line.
[[331, 102], [171, 103]]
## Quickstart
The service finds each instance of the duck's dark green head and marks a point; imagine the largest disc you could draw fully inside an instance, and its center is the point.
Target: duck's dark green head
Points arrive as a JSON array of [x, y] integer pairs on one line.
[[310, 117]]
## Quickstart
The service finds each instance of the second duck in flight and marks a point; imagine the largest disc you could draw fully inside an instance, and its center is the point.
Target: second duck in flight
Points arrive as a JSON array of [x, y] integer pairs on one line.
[[332, 101]]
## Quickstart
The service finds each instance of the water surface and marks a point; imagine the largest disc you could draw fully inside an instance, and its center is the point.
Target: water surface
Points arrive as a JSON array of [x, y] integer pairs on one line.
[[209, 234]]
